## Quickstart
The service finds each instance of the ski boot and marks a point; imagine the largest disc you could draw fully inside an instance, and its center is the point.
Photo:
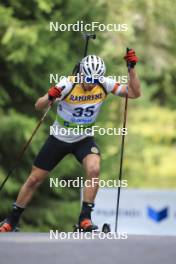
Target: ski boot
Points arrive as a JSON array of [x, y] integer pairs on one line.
[[6, 226], [85, 225]]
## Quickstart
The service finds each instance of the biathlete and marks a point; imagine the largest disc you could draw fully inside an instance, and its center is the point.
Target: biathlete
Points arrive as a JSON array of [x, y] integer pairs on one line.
[[77, 104]]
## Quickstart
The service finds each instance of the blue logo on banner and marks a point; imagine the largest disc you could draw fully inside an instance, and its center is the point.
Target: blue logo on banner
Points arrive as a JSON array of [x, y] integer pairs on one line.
[[157, 216]]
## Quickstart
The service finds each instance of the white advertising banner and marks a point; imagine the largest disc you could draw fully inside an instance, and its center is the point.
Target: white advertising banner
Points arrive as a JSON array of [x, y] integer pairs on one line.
[[141, 211]]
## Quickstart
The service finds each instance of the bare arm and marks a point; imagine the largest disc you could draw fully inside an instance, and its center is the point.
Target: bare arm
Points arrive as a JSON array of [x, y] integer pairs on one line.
[[54, 94], [42, 102], [134, 90]]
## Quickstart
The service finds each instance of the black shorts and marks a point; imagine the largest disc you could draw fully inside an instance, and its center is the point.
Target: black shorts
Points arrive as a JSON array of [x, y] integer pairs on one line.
[[54, 150]]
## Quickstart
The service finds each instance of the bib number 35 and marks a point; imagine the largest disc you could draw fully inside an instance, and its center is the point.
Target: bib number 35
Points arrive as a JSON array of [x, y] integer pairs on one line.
[[79, 111]]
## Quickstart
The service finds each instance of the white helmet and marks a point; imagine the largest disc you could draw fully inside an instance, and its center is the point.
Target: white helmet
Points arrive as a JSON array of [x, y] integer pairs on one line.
[[92, 66]]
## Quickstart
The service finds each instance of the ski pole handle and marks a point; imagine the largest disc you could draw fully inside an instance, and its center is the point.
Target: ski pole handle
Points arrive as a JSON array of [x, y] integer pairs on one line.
[[128, 63]]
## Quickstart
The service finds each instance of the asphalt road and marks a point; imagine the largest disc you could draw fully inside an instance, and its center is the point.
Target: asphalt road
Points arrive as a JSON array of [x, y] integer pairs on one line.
[[31, 248]]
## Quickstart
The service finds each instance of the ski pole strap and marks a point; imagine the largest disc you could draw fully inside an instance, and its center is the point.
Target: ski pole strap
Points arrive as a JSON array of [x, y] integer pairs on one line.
[[65, 123]]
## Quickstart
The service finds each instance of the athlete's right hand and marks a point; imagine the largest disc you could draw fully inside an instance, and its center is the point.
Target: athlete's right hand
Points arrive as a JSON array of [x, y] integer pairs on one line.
[[54, 93]]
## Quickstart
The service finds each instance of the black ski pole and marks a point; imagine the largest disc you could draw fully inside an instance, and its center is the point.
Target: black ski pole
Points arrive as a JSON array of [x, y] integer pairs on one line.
[[121, 155]]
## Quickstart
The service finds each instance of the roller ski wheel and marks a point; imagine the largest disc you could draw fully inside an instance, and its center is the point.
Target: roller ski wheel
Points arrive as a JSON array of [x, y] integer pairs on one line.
[[106, 228]]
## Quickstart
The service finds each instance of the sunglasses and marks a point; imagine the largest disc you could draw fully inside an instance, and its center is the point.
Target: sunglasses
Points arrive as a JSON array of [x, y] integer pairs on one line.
[[91, 80]]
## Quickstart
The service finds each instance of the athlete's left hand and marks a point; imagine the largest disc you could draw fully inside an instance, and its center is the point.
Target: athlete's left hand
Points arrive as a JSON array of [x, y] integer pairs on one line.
[[131, 58]]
